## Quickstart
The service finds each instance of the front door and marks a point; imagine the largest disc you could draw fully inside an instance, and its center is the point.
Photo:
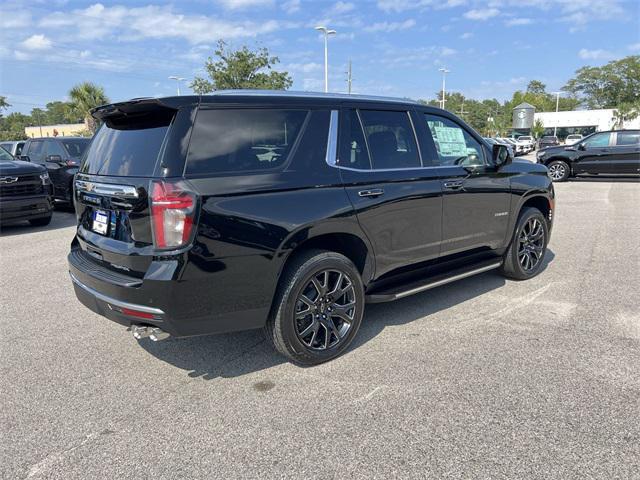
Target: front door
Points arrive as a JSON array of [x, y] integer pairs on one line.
[[397, 201], [594, 154], [476, 196]]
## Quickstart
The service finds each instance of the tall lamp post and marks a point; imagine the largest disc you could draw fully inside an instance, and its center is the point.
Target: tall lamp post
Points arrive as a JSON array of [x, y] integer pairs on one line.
[[326, 32], [444, 73], [178, 80], [555, 128]]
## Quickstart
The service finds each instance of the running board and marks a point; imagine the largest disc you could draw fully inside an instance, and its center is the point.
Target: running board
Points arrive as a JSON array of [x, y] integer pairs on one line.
[[412, 288]]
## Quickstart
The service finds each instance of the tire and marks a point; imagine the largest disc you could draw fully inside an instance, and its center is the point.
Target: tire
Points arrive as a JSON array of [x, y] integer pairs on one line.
[[298, 327], [40, 222], [526, 244], [559, 171]]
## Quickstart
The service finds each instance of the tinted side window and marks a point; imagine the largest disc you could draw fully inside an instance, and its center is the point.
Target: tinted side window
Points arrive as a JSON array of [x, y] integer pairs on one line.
[[391, 140], [36, 151], [75, 147], [242, 140], [628, 138], [353, 148], [598, 140], [455, 146]]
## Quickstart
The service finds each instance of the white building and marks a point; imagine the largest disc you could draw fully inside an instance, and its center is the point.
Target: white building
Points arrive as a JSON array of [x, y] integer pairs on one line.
[[582, 121]]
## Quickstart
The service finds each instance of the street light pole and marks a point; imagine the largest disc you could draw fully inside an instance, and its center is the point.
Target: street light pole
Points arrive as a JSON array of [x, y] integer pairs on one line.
[[555, 128], [326, 32], [444, 73], [178, 80]]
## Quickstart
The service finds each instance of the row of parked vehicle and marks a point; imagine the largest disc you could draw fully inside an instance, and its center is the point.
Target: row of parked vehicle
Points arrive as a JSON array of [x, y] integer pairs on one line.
[[36, 172], [518, 146]]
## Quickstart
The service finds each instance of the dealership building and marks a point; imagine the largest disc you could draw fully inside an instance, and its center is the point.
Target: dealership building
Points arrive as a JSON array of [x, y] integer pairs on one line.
[[565, 123]]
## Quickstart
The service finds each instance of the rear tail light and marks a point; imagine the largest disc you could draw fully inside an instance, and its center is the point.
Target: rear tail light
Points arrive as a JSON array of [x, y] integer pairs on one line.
[[172, 213]]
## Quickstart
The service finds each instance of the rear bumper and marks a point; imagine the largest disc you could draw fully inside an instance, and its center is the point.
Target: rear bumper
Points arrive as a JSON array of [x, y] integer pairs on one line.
[[166, 300], [24, 208]]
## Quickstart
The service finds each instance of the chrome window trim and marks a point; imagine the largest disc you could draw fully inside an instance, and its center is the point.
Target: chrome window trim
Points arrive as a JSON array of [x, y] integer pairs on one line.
[[331, 156], [109, 189]]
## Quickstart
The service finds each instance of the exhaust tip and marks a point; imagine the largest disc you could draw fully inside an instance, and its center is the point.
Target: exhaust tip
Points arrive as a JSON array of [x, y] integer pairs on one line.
[[156, 334]]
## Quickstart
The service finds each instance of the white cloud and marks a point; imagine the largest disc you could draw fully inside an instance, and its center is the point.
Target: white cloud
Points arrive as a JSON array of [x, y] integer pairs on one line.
[[634, 47], [14, 18], [151, 21], [291, 6], [466, 35], [307, 67], [36, 42], [514, 22], [242, 4], [390, 26], [482, 14], [404, 5], [598, 54], [342, 7]]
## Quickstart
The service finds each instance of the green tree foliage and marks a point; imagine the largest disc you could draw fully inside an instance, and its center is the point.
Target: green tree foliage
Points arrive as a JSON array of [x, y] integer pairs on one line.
[[84, 97], [241, 69], [3, 104], [538, 129], [611, 86], [12, 126]]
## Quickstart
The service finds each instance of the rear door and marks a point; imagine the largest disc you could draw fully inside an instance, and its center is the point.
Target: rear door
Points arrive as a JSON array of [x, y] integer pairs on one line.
[[626, 152], [397, 200], [594, 154], [475, 195], [56, 169]]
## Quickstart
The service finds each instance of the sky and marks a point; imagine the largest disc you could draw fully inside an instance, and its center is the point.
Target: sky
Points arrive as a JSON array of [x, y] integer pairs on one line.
[[491, 47]]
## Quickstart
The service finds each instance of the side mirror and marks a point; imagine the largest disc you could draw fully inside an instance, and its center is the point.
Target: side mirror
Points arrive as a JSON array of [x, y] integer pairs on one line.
[[54, 158], [25, 158], [501, 155], [581, 147]]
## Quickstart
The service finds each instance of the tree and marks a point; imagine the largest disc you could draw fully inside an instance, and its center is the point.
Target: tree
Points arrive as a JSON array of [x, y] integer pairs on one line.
[[536, 87], [538, 129], [625, 113], [241, 69], [12, 126], [84, 97], [609, 86], [3, 104]]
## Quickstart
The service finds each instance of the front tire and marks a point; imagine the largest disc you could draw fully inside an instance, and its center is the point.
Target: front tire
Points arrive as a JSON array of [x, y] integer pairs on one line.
[[559, 171], [318, 308], [525, 255]]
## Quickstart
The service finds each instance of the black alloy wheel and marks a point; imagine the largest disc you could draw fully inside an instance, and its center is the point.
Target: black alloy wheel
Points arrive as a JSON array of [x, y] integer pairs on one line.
[[531, 244], [325, 309]]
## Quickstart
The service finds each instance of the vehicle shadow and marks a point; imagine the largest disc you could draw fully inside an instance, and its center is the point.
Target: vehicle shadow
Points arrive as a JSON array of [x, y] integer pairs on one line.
[[60, 219], [607, 178], [236, 354]]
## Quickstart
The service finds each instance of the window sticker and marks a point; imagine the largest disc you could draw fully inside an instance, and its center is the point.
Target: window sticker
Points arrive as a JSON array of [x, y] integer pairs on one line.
[[450, 141]]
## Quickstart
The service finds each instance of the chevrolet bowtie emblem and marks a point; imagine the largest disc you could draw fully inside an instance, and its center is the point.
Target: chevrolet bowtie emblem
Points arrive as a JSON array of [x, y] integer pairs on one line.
[[8, 179]]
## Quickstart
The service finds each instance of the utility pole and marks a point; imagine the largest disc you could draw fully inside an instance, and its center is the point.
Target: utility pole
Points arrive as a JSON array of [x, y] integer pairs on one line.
[[462, 112], [444, 73], [178, 80], [349, 78]]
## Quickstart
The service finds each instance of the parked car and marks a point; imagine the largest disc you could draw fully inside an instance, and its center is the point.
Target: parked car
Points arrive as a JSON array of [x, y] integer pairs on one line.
[[289, 211], [548, 141], [25, 191], [13, 147], [518, 149], [61, 156], [614, 152], [573, 138], [528, 141]]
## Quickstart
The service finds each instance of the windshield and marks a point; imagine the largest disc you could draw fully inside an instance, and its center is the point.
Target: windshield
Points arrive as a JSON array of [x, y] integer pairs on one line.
[[75, 147], [524, 139], [549, 138], [4, 155]]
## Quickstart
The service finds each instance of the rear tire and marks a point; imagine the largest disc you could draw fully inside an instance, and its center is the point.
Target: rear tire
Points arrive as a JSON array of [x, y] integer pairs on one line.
[[317, 309], [559, 171], [40, 222], [524, 257]]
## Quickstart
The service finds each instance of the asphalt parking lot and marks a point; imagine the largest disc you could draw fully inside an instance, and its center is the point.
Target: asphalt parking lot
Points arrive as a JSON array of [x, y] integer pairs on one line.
[[485, 378]]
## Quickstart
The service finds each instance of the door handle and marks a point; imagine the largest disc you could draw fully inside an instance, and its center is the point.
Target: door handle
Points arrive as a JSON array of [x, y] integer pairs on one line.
[[453, 185], [374, 192]]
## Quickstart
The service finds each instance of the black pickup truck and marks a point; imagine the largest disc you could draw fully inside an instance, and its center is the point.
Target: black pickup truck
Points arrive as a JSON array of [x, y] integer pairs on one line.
[[25, 191]]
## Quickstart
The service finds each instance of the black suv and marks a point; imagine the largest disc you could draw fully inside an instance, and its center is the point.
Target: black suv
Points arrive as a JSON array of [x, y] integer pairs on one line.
[[614, 152], [61, 156], [290, 211], [25, 191]]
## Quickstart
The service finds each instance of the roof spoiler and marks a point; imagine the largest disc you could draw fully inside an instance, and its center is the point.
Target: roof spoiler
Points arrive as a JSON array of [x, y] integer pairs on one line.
[[137, 106]]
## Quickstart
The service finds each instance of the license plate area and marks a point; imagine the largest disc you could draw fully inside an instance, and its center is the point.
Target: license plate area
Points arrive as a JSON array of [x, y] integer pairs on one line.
[[100, 223]]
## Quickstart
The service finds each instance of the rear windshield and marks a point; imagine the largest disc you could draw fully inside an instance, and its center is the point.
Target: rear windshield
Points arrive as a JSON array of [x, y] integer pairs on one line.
[[241, 140], [75, 147], [549, 138], [122, 151]]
